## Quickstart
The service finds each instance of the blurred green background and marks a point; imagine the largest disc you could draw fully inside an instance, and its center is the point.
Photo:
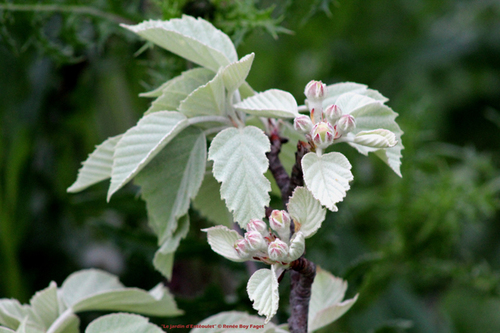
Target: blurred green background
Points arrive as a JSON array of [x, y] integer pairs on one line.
[[423, 251]]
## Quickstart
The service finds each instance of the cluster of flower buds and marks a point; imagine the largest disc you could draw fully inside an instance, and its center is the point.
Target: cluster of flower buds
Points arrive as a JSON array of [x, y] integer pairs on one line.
[[323, 127], [271, 245]]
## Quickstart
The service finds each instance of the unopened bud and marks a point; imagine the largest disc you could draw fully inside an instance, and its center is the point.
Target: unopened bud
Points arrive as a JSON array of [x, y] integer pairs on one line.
[[257, 225], [242, 248], [323, 134], [346, 124], [278, 250], [255, 240], [280, 222], [332, 113], [315, 90], [303, 124], [297, 246]]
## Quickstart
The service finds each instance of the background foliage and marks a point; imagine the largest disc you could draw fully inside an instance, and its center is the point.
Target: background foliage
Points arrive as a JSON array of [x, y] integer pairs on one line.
[[423, 251]]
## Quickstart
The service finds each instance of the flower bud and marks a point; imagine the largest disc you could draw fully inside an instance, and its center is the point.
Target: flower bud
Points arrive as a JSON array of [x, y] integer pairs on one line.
[[323, 134], [332, 113], [297, 246], [255, 240], [346, 124], [280, 222], [315, 90], [303, 124], [242, 248], [257, 225], [277, 250]]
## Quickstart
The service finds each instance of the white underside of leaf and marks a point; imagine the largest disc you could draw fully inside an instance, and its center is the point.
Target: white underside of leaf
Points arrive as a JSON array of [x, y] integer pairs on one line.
[[236, 73], [327, 177], [222, 240], [97, 167], [334, 91], [306, 210], [45, 304], [194, 39], [262, 289], [122, 323], [240, 162], [249, 324], [273, 103], [141, 143], [207, 100]]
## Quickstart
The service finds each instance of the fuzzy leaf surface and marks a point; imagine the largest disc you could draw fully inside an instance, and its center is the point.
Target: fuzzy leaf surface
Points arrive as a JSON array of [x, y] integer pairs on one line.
[[179, 88], [379, 138], [306, 210], [140, 144], [372, 114], [327, 177], [326, 304], [207, 100], [122, 323], [237, 318], [97, 167], [12, 313], [236, 73], [272, 103], [194, 39], [172, 179], [239, 156], [221, 240], [45, 304], [262, 289], [334, 91]]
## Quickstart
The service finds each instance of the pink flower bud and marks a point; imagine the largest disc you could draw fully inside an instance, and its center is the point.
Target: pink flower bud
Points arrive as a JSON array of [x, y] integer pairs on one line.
[[255, 240], [280, 222], [346, 124], [242, 248], [315, 90], [278, 250], [332, 113], [303, 124], [257, 225], [323, 134]]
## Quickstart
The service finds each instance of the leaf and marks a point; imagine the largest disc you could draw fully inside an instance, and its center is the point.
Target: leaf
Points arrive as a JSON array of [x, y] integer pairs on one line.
[[242, 320], [68, 322], [236, 73], [164, 257], [239, 156], [326, 304], [379, 138], [221, 240], [262, 289], [273, 103], [46, 305], [12, 313], [209, 203], [97, 290], [194, 39], [334, 91], [122, 323], [179, 88], [170, 180], [97, 167], [306, 211], [206, 100], [6, 330], [140, 144], [371, 114], [327, 177]]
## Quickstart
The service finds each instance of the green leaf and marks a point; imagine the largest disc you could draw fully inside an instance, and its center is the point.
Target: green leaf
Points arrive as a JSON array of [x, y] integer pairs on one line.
[[327, 177], [379, 138], [209, 203], [273, 103], [194, 39], [46, 305], [12, 313], [306, 211], [371, 114], [326, 304], [97, 167], [179, 88], [164, 257], [170, 180], [221, 240], [6, 330], [236, 73], [242, 320], [140, 144], [206, 100], [262, 289], [97, 290], [334, 91], [239, 156], [122, 323], [67, 322]]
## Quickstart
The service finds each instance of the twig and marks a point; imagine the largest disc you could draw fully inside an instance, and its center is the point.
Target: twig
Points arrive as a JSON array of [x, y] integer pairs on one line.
[[302, 277]]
